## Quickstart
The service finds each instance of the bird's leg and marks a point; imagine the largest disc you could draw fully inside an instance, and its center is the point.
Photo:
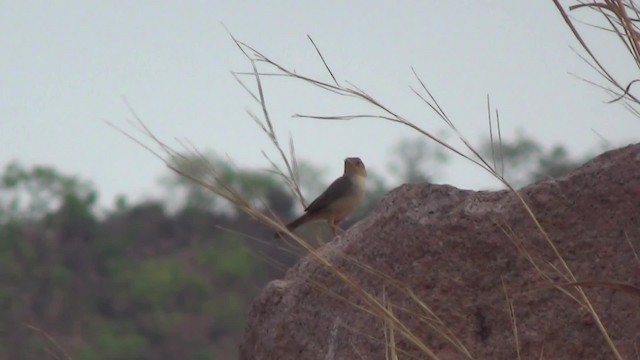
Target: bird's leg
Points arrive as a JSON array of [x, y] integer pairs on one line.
[[335, 228], [332, 225]]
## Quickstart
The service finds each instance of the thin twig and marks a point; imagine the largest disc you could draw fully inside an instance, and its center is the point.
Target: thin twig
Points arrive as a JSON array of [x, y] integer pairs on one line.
[[323, 61]]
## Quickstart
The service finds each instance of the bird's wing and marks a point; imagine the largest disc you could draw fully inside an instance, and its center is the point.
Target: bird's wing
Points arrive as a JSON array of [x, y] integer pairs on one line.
[[341, 187]]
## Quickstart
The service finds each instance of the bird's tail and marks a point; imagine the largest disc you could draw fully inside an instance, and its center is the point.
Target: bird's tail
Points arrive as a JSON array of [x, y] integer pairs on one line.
[[294, 224]]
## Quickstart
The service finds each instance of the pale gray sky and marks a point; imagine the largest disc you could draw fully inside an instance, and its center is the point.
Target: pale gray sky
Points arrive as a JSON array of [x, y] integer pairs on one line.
[[65, 67]]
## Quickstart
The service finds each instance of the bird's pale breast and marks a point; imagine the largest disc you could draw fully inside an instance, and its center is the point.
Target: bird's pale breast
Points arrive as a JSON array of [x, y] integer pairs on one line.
[[341, 208]]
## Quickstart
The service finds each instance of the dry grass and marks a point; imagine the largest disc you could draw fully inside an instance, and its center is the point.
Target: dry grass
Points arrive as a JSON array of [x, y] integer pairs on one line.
[[621, 16], [55, 351]]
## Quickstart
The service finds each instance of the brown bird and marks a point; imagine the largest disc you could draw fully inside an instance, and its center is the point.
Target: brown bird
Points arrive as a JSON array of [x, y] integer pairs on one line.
[[340, 199]]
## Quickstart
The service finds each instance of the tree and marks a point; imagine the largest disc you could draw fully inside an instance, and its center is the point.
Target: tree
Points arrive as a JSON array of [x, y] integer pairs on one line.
[[523, 160], [259, 187], [41, 190], [416, 161]]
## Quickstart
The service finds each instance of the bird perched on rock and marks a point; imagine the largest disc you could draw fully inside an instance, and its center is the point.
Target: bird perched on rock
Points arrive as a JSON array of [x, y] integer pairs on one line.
[[340, 199]]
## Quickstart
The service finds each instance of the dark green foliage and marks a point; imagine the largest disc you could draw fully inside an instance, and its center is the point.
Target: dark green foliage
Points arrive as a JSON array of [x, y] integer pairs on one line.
[[202, 355], [161, 284], [229, 259], [136, 284], [112, 344], [41, 190]]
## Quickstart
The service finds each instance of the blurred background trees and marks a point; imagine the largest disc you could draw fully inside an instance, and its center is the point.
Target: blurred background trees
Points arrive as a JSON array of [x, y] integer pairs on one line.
[[171, 278], [523, 160]]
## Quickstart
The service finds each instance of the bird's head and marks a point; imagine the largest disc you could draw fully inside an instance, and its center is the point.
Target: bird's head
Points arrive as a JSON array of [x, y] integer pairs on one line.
[[354, 166]]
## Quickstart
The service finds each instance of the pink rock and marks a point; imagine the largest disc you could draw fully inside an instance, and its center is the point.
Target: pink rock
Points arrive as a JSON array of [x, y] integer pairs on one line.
[[450, 247]]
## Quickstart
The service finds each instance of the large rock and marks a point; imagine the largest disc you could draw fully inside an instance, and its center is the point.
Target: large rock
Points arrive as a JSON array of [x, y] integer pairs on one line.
[[456, 250]]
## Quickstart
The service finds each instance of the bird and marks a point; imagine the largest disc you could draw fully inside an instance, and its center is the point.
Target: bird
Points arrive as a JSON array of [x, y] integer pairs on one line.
[[339, 200]]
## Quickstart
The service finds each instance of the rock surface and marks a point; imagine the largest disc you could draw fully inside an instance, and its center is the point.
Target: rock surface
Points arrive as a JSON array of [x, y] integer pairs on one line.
[[456, 250]]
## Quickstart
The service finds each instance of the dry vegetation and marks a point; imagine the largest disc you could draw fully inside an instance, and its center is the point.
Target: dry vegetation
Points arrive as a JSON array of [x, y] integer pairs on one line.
[[619, 18]]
